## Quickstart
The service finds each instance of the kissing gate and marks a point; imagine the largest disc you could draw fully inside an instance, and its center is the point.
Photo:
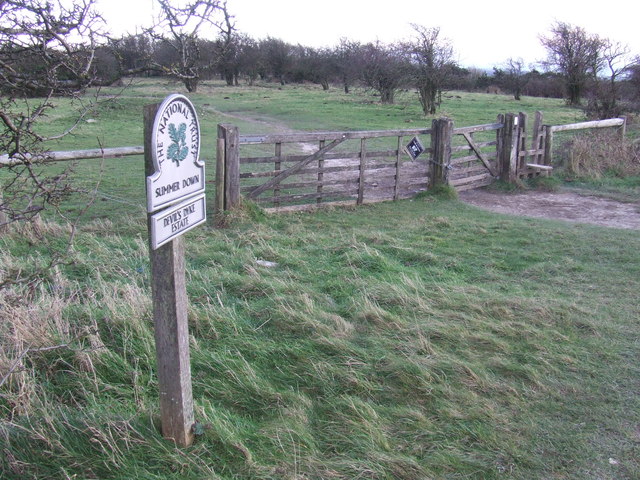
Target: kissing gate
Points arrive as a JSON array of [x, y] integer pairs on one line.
[[299, 171]]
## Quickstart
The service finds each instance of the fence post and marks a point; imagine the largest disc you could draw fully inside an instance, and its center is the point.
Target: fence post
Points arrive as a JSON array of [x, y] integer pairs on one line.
[[537, 137], [548, 145], [623, 128], [441, 136], [220, 163], [521, 163], [227, 169], [508, 155], [363, 166]]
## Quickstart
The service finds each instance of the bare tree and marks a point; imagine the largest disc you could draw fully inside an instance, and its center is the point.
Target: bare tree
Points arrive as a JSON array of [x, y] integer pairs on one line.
[[316, 65], [250, 61], [432, 64], [574, 54], [227, 49], [515, 77], [384, 69], [44, 36], [612, 63], [180, 27], [348, 62], [278, 57], [134, 54], [47, 49]]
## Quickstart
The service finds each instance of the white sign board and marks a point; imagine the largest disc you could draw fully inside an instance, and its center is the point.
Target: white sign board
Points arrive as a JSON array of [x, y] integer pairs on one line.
[[175, 150], [176, 220]]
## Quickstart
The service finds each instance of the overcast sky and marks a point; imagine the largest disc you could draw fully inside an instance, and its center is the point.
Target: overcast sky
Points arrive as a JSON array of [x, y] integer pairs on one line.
[[483, 33]]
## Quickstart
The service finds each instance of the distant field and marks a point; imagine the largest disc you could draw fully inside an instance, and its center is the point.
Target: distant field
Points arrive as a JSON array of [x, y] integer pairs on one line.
[[411, 340], [266, 108]]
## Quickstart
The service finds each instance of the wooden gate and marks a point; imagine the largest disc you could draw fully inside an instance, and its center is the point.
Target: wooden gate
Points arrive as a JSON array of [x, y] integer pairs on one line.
[[303, 170], [475, 156], [478, 160], [309, 169]]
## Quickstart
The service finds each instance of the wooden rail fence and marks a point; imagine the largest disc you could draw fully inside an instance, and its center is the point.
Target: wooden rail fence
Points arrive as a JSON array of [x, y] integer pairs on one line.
[[303, 170]]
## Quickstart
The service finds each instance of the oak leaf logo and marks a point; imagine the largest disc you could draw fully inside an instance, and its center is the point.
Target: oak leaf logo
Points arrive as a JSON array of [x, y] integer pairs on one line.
[[178, 149]]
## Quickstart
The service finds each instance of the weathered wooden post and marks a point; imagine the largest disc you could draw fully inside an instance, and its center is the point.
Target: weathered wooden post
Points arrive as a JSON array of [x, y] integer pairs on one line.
[[396, 183], [622, 130], [220, 176], [175, 204], [441, 136], [521, 162], [362, 169], [537, 138], [508, 155], [228, 168], [548, 145]]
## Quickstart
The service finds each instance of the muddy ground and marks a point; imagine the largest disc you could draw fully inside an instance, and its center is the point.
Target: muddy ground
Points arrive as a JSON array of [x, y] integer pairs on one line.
[[562, 206]]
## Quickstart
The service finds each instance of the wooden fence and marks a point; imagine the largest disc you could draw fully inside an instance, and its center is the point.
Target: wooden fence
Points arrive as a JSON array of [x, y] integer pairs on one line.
[[317, 168], [354, 167], [304, 170]]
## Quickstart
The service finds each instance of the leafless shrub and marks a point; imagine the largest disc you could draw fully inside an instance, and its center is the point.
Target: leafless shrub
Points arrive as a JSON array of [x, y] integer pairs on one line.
[[602, 153], [48, 50]]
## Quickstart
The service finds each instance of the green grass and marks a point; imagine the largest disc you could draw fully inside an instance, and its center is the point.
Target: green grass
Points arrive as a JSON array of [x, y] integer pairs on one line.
[[269, 108], [625, 189], [420, 339], [410, 340]]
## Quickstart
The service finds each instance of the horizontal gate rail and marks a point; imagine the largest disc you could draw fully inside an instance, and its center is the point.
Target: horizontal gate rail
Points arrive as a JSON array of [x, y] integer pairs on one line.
[[72, 155], [319, 136], [299, 166]]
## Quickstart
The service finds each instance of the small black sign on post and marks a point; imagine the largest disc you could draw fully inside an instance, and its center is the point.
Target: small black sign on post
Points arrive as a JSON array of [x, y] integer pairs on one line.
[[414, 148], [175, 205]]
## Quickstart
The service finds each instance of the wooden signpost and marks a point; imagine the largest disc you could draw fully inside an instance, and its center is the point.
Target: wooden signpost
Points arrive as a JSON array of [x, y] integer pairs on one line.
[[175, 205]]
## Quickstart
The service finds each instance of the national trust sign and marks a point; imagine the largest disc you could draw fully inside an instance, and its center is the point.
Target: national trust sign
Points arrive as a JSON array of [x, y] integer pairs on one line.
[[175, 191]]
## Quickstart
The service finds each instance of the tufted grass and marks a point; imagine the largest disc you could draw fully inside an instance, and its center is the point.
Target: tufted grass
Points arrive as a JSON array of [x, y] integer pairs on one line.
[[410, 340]]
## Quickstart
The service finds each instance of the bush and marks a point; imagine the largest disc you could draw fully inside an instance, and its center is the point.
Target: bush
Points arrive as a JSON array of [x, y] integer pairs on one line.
[[602, 154]]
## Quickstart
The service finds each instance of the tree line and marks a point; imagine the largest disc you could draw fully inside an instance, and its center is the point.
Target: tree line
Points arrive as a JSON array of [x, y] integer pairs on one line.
[[596, 73], [199, 41]]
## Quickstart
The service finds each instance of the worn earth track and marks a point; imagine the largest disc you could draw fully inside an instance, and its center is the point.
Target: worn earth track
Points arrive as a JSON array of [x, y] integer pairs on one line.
[[566, 206]]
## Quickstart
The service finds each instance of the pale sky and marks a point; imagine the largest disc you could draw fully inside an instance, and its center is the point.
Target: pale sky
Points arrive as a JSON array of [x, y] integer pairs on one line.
[[483, 33]]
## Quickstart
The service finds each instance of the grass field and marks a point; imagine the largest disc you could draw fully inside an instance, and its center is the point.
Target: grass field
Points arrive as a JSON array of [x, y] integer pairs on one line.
[[265, 108], [410, 340]]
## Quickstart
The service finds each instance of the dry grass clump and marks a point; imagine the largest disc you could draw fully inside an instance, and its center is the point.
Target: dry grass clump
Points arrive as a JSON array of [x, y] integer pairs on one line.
[[603, 153], [37, 339]]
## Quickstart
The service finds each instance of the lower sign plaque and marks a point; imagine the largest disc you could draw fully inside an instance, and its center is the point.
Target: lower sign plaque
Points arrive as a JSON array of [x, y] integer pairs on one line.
[[176, 220]]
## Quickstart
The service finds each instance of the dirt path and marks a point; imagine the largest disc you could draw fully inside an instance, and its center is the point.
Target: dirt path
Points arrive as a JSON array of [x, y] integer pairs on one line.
[[262, 121], [562, 206]]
